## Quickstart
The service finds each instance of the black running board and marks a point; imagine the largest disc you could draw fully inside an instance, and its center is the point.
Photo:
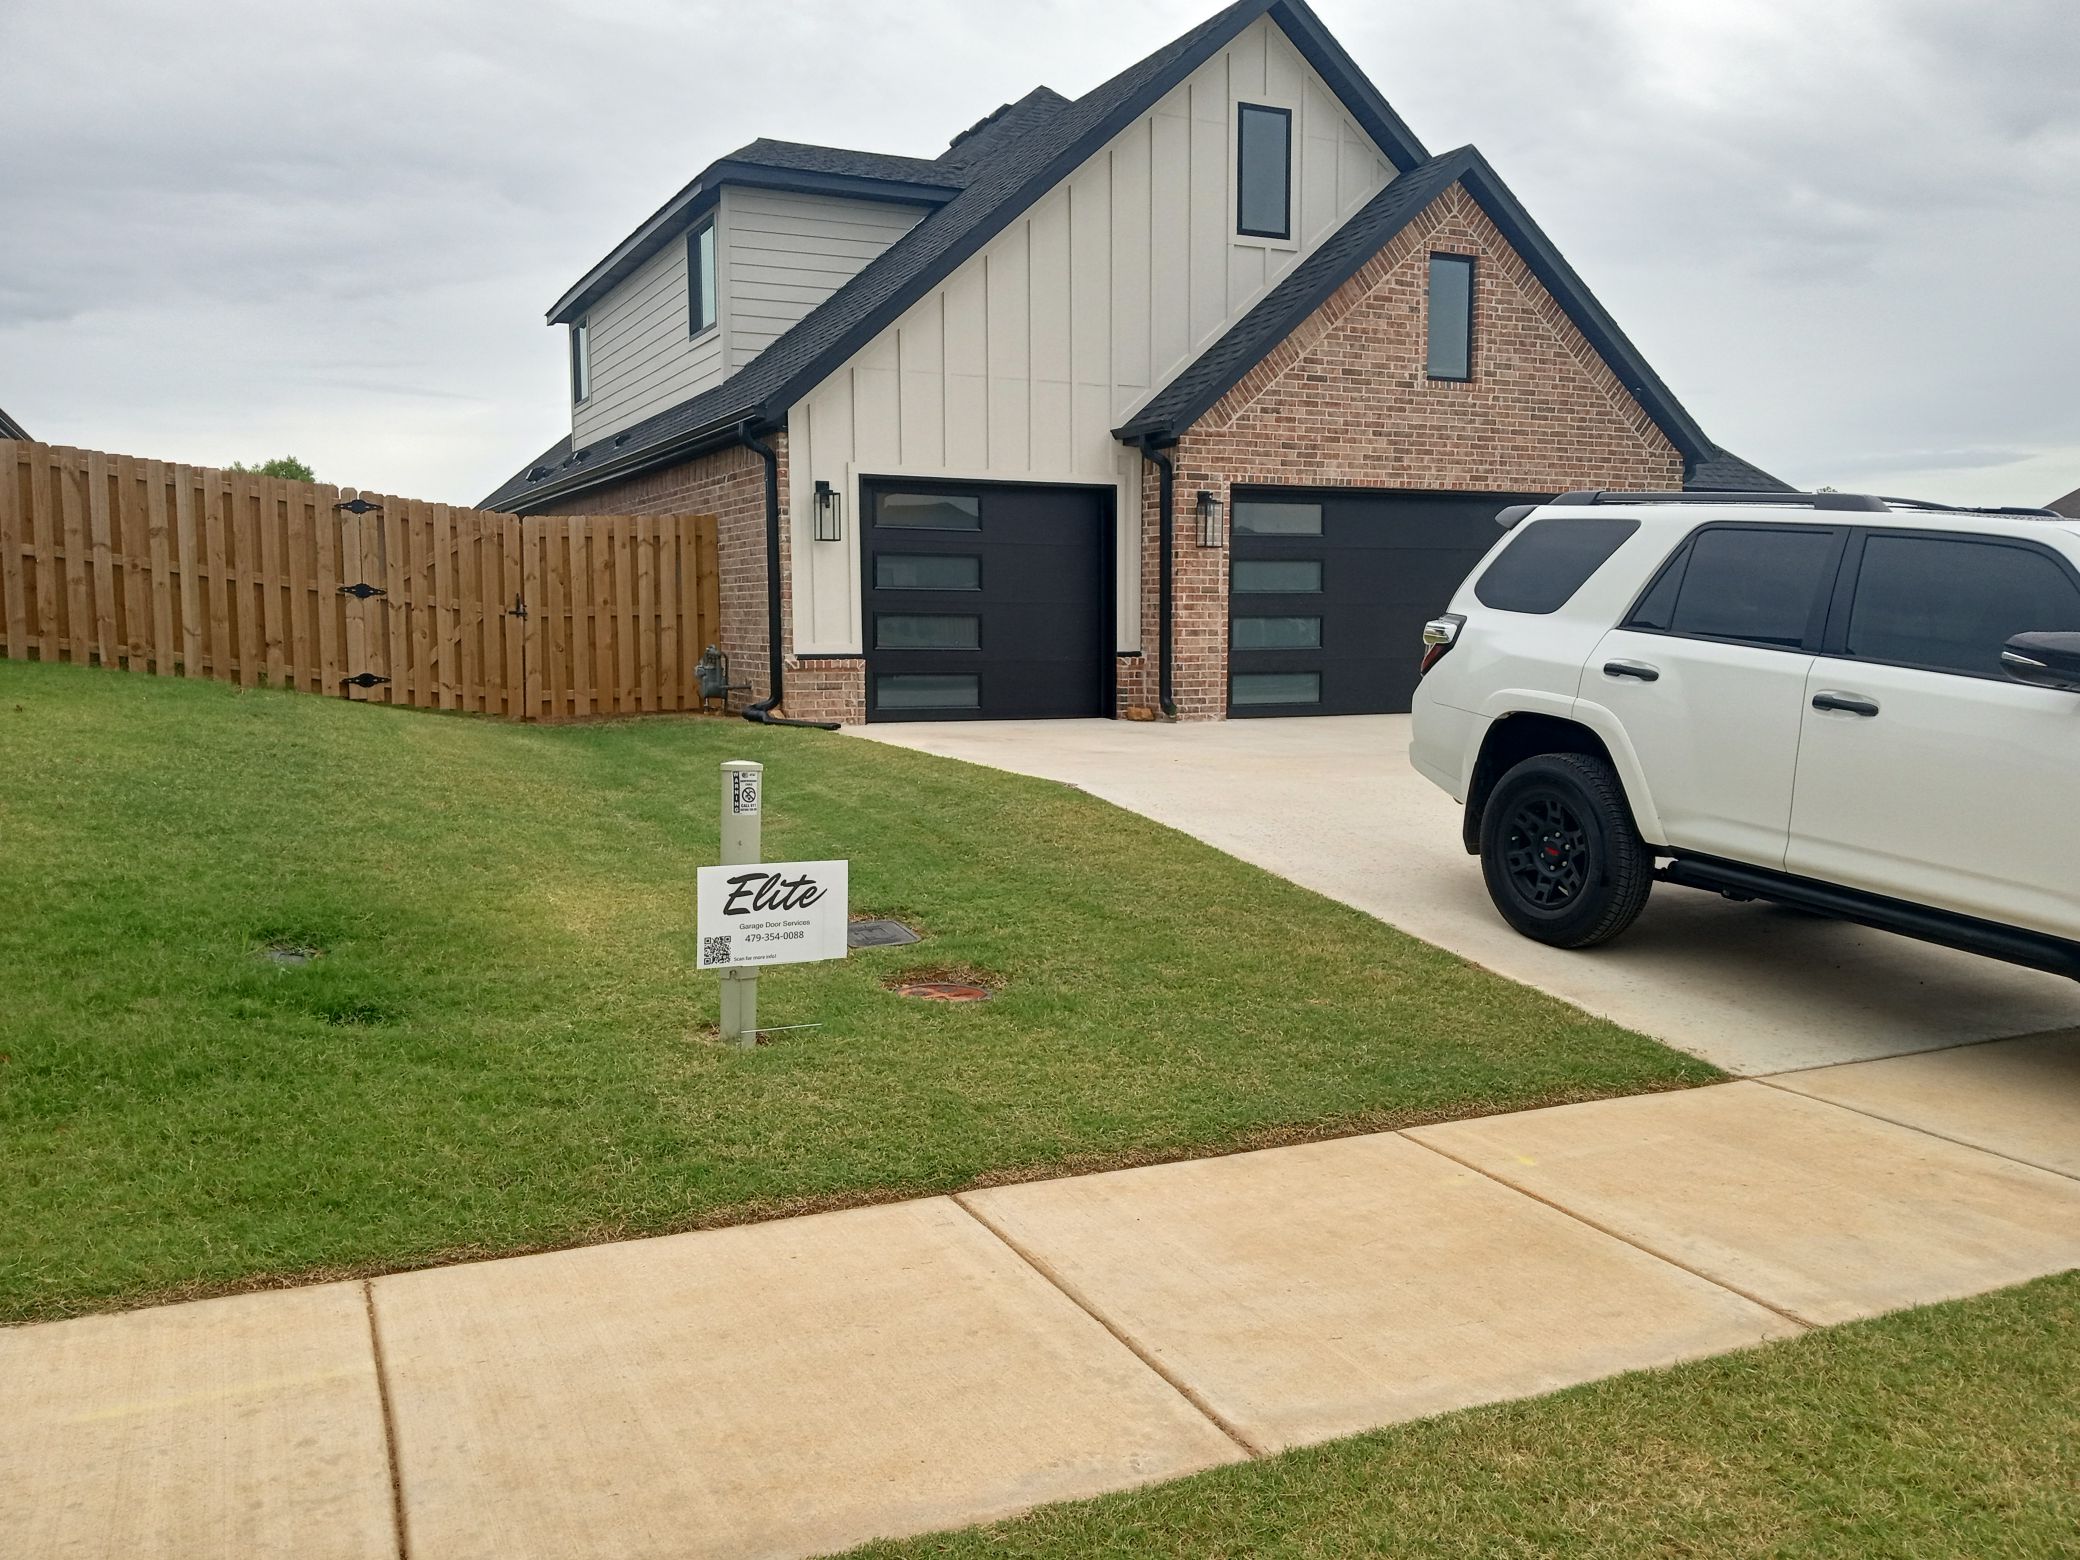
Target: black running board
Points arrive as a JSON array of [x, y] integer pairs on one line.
[[2036, 950]]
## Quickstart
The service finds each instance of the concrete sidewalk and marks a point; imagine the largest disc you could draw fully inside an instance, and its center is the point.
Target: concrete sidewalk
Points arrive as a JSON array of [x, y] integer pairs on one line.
[[795, 1388]]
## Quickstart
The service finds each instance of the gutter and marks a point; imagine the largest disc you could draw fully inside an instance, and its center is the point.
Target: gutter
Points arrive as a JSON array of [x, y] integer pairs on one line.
[[1166, 548], [761, 713]]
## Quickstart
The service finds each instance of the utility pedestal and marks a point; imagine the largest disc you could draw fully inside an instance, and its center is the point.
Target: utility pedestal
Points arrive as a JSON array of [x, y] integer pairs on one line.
[[743, 792]]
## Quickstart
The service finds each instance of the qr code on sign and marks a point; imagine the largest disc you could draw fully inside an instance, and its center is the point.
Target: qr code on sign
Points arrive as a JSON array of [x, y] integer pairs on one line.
[[714, 950]]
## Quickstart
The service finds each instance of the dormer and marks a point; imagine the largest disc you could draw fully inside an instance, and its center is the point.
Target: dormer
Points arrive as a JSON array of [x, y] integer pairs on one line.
[[725, 267]]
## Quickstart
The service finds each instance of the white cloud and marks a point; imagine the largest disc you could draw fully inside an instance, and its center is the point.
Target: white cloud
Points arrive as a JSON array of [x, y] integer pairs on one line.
[[1847, 235]]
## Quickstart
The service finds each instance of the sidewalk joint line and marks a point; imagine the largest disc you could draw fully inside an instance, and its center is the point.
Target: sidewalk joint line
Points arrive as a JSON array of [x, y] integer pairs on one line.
[[1913, 1126], [1069, 1290], [1616, 1235], [375, 1341]]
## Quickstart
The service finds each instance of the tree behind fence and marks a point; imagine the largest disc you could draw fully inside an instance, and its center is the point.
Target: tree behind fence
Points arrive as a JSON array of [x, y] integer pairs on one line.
[[181, 570]]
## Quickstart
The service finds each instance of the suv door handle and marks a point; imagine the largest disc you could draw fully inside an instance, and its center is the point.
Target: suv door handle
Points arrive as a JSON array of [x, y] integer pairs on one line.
[[1847, 703], [1638, 669]]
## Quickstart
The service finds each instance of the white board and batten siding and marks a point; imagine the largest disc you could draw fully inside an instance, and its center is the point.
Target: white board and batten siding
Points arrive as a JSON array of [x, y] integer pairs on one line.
[[777, 256], [1019, 365]]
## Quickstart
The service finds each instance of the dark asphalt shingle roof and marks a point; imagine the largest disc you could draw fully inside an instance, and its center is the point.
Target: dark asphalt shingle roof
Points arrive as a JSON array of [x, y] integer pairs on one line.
[[1306, 288], [10, 429], [804, 158], [1011, 159], [1722, 471], [2068, 506], [1031, 148], [1187, 398]]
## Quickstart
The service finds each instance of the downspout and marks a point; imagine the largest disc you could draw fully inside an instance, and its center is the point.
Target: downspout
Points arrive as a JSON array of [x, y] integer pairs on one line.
[[762, 711], [1166, 544]]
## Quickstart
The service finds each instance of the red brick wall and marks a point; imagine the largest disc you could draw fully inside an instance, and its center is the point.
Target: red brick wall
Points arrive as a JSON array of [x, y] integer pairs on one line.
[[1344, 402], [730, 484]]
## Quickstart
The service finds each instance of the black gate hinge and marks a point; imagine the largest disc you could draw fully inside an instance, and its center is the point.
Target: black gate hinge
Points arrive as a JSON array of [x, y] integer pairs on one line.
[[358, 506], [364, 680], [362, 591]]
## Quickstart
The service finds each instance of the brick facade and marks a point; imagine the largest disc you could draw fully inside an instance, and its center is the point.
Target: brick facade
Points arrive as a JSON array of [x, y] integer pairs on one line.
[[1344, 402], [730, 484]]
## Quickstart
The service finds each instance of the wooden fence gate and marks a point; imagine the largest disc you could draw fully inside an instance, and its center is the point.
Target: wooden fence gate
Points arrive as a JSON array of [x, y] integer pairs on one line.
[[176, 570]]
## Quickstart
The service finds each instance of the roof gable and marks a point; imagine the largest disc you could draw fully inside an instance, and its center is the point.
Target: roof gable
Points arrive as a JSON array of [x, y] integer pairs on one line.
[[1188, 397], [1025, 151]]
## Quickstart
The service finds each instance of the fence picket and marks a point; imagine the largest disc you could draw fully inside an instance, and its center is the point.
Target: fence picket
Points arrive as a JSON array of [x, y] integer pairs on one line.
[[16, 548], [172, 569]]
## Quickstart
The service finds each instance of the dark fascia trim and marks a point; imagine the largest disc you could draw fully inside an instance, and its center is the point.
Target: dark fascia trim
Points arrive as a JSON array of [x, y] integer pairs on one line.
[[10, 429], [1589, 316], [1010, 209], [1294, 310], [700, 196], [1299, 24], [1471, 170], [1318, 46], [704, 441]]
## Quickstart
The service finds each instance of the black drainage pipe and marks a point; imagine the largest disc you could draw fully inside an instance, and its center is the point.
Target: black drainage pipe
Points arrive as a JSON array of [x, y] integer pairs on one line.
[[761, 713], [1166, 545]]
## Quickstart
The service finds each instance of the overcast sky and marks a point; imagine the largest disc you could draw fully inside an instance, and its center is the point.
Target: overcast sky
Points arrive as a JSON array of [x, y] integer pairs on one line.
[[1847, 232]]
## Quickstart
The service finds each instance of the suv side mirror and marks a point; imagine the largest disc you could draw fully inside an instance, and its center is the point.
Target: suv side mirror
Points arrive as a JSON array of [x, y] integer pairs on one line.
[[2044, 660]]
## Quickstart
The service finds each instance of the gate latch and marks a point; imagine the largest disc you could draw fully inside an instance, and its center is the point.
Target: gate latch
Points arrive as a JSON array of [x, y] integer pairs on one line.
[[364, 680], [358, 506], [362, 591]]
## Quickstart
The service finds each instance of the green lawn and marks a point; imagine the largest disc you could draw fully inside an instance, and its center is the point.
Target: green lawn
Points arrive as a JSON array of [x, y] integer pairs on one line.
[[504, 1045], [1946, 1432]]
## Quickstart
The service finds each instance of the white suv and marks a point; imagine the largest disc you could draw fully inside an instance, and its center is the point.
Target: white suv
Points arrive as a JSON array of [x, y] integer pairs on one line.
[[1864, 707]]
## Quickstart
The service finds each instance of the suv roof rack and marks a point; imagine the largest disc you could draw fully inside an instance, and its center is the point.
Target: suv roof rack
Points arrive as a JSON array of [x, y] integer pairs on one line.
[[1867, 503], [1862, 501]]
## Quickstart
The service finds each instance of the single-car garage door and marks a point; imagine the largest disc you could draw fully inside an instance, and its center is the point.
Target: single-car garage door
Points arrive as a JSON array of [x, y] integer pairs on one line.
[[987, 602], [1329, 591]]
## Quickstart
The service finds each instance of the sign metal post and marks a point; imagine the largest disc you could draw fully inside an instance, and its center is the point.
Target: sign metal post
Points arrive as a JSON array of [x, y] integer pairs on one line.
[[743, 795]]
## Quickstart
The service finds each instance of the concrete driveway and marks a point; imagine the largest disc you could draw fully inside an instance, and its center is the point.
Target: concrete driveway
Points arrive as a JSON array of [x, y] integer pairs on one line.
[[1333, 804]]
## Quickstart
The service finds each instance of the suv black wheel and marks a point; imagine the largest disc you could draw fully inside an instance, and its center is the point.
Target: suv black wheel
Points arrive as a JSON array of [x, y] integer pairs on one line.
[[1564, 861]]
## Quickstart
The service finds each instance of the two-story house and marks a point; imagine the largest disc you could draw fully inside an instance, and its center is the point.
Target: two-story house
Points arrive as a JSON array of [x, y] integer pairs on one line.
[[1194, 395]]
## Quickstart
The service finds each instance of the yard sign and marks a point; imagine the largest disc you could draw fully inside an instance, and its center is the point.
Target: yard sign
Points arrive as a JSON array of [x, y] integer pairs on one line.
[[776, 912]]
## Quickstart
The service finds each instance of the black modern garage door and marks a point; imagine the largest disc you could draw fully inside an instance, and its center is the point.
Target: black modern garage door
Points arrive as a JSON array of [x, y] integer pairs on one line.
[[986, 602], [1329, 592]]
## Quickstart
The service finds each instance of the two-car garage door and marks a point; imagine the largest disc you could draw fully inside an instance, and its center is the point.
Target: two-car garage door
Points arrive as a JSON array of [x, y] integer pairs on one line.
[[987, 601], [1329, 591]]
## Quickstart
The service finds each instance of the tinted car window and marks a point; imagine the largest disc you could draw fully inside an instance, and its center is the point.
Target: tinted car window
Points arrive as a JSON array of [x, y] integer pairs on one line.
[[1950, 605], [1756, 586], [1548, 561]]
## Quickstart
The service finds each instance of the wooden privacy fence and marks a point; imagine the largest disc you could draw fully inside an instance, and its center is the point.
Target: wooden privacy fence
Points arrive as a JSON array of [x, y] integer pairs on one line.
[[182, 570]]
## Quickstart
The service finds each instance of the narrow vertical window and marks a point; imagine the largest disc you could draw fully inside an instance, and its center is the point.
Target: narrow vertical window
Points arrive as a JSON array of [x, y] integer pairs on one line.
[[700, 278], [1451, 316], [1263, 171], [581, 360]]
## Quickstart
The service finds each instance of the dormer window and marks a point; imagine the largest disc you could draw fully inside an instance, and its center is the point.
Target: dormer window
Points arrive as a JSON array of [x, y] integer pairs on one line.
[[1263, 171], [700, 278], [581, 361]]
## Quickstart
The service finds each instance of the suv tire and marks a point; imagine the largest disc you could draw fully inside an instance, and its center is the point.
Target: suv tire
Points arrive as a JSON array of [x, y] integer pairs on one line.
[[1564, 861]]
